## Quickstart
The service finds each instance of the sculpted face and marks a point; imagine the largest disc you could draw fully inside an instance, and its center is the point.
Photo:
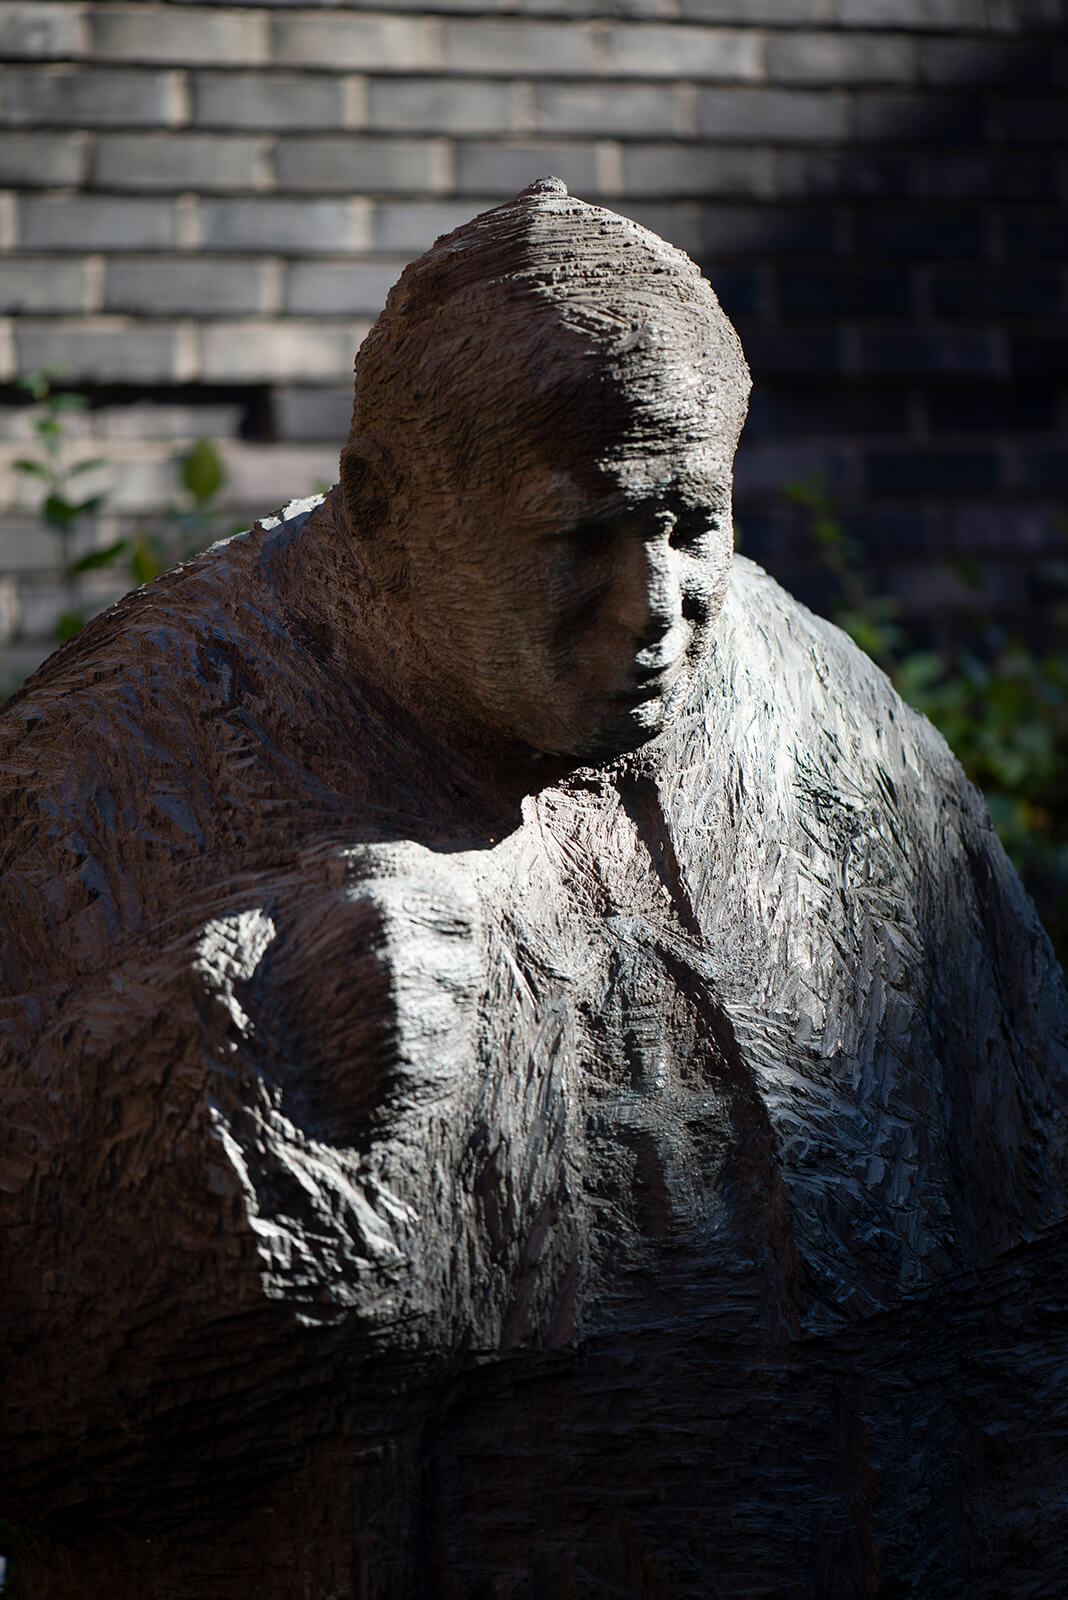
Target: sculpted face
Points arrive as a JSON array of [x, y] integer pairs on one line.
[[539, 467], [569, 599]]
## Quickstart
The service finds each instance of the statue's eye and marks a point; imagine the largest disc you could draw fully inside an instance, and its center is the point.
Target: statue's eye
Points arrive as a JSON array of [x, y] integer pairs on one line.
[[587, 540], [693, 530]]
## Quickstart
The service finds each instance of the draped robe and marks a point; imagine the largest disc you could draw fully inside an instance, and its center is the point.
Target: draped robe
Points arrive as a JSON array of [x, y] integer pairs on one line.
[[319, 1062]]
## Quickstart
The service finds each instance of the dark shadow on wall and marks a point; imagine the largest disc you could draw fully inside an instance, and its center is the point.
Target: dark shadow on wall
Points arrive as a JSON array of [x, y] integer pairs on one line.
[[902, 305]]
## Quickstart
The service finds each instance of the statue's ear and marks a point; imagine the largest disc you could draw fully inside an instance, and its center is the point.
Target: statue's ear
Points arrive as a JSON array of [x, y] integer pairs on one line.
[[368, 484]]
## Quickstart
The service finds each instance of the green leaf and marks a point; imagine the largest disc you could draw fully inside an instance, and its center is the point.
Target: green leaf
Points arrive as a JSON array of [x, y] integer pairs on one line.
[[49, 428], [99, 558], [94, 502], [70, 623], [87, 466], [34, 383], [143, 561], [68, 402], [38, 468], [202, 471], [57, 512]]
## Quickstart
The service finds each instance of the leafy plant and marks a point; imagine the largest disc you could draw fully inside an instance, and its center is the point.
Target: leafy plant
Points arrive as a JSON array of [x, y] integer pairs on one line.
[[1002, 707], [183, 530], [60, 510]]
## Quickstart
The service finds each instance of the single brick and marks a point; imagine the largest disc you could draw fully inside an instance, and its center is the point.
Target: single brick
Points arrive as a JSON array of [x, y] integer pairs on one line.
[[836, 410], [945, 175], [1011, 294], [264, 475], [411, 226], [354, 164], [339, 288], [439, 105], [710, 55], [981, 526], [275, 223], [303, 413], [347, 41], [910, 471], [974, 408], [1044, 469], [267, 351], [51, 160], [576, 8], [793, 115], [856, 173], [148, 420], [1037, 121], [844, 293], [985, 62], [919, 119], [643, 9], [600, 110], [268, 100], [888, 529], [932, 234], [211, 36], [176, 161], [1040, 354], [788, 352], [756, 11], [1018, 16], [184, 286], [30, 286], [138, 479], [941, 14], [96, 222], [656, 169], [514, 45], [936, 591], [39, 31], [91, 97], [977, 353], [762, 469], [836, 58], [112, 351], [504, 169], [731, 230], [17, 422], [1044, 237]]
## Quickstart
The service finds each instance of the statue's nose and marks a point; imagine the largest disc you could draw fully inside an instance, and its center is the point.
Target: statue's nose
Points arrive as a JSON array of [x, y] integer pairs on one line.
[[649, 594]]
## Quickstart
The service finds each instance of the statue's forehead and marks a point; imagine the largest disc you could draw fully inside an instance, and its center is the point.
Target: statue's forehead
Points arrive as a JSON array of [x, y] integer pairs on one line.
[[696, 464]]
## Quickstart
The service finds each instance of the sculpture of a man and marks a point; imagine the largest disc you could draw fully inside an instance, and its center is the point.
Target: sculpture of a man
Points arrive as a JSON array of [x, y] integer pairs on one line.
[[508, 1017]]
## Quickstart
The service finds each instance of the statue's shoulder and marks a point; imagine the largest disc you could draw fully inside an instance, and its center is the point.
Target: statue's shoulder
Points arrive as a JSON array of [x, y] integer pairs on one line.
[[156, 649], [806, 683]]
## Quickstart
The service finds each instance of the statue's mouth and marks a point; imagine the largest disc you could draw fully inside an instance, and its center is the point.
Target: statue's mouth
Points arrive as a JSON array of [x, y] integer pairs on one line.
[[651, 683]]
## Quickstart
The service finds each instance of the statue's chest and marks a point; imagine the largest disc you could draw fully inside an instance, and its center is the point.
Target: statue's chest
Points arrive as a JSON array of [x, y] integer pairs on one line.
[[600, 1009]]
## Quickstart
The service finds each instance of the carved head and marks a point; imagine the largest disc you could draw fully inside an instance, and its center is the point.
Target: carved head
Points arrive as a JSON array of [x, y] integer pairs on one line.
[[539, 468]]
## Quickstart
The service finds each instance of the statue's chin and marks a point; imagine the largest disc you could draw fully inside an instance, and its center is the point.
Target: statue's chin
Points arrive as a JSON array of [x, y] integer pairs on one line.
[[625, 726]]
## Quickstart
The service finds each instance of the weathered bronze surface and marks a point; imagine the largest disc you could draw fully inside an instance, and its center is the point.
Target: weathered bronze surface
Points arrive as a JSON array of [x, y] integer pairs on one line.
[[526, 1070]]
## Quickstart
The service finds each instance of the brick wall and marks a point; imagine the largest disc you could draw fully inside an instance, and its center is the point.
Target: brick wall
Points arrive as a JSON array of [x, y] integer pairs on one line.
[[204, 204]]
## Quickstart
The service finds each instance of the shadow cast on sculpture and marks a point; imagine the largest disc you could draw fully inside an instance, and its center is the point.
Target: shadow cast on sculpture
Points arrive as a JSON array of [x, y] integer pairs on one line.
[[526, 1070]]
